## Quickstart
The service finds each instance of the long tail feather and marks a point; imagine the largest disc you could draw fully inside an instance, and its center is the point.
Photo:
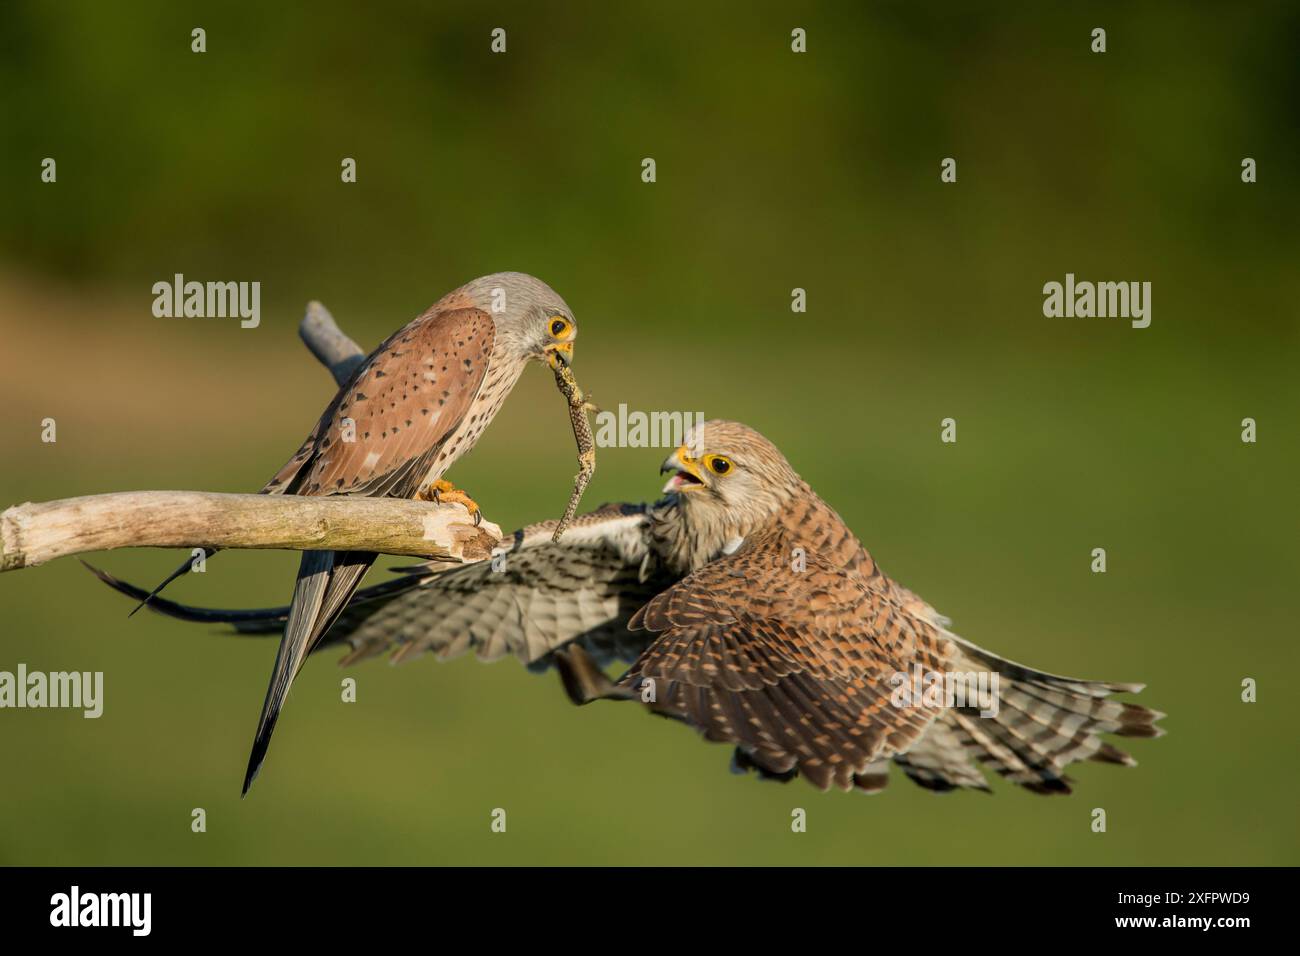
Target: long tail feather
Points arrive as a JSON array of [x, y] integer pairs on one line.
[[264, 620], [326, 581], [189, 562]]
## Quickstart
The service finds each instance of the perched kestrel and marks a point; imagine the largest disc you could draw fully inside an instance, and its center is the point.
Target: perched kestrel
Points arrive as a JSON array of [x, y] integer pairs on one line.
[[748, 610], [414, 406]]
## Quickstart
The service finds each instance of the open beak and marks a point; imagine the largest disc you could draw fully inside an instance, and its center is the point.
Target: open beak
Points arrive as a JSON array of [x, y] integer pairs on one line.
[[685, 469], [559, 354]]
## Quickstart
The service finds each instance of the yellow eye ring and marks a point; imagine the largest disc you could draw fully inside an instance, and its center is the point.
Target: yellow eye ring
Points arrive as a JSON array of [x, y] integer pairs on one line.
[[560, 327], [718, 464]]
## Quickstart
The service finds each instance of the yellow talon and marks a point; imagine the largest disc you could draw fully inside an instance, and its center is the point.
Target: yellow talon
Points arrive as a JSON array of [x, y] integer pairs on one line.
[[443, 491]]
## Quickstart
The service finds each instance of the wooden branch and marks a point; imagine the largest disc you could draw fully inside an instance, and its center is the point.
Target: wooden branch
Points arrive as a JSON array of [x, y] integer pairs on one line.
[[34, 533], [321, 334], [31, 534]]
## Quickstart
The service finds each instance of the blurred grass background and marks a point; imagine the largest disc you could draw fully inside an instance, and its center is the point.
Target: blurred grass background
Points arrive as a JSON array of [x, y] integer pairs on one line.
[[775, 170]]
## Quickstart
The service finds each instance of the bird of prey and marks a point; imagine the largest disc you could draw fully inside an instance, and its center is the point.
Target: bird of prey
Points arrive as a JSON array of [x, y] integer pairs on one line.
[[753, 613], [414, 406]]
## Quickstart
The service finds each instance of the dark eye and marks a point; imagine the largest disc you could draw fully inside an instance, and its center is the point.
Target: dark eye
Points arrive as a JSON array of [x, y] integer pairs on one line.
[[717, 464], [559, 327]]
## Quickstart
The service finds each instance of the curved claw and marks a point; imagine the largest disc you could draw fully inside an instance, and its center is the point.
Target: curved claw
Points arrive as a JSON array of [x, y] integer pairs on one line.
[[443, 491]]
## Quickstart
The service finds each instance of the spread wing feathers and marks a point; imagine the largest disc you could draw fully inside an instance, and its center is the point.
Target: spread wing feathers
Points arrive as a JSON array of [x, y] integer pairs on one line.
[[1044, 722], [534, 596], [794, 667], [940, 761], [584, 588]]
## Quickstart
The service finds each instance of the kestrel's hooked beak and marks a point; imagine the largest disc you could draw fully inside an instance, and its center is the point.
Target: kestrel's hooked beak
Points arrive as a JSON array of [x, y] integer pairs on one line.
[[686, 471], [559, 353]]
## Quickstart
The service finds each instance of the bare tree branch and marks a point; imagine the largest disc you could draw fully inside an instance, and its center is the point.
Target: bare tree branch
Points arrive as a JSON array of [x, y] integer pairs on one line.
[[31, 534], [321, 334], [34, 533]]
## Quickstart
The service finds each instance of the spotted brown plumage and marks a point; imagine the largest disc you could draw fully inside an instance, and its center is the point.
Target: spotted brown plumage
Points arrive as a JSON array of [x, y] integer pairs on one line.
[[792, 665], [414, 406], [409, 402], [763, 623]]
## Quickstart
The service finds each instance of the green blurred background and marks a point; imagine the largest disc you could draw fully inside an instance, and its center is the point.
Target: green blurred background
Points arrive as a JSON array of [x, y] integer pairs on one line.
[[775, 171]]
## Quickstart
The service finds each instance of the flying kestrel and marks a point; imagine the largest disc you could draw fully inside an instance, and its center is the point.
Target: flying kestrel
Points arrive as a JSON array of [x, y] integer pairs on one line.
[[414, 406], [748, 610]]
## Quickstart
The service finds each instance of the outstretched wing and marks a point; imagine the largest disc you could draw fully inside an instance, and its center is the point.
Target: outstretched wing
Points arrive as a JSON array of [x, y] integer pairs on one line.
[[1043, 723], [535, 597], [795, 667]]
